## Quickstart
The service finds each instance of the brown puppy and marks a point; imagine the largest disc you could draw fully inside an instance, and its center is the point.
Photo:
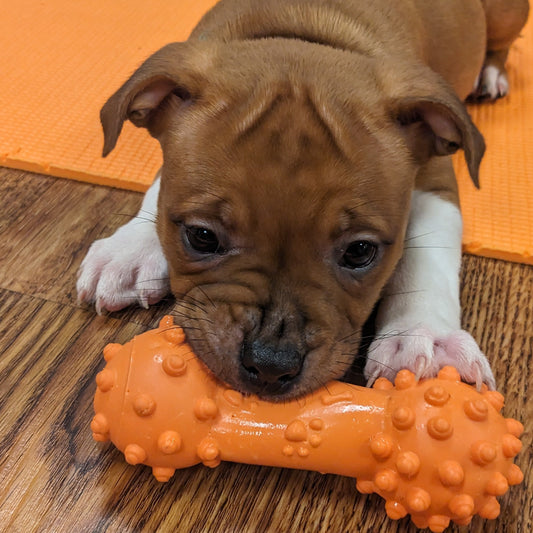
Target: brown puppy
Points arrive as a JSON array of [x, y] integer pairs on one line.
[[301, 182]]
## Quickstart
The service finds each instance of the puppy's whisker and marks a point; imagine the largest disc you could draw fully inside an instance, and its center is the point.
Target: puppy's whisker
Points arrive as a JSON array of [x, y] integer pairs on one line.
[[381, 363], [191, 302], [170, 328], [352, 336], [392, 333], [389, 294], [413, 237], [182, 314], [326, 387], [135, 217], [147, 212], [143, 220], [402, 334], [192, 308], [196, 302], [206, 296], [192, 328], [357, 337], [367, 337], [317, 384], [188, 317]]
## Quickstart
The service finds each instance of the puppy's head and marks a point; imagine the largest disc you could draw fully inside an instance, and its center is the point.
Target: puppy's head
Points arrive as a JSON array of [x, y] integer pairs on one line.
[[285, 195]]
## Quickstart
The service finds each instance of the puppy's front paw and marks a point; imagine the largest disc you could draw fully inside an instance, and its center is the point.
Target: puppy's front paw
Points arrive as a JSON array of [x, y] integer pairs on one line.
[[424, 353], [128, 267]]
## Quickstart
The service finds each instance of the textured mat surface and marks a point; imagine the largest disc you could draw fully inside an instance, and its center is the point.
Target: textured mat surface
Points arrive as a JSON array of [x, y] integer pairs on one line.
[[61, 60], [499, 217]]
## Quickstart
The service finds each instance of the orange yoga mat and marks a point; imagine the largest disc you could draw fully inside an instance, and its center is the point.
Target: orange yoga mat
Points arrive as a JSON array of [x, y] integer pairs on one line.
[[61, 59]]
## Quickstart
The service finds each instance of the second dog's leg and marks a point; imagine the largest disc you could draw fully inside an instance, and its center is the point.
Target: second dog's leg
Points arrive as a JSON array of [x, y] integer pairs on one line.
[[505, 20], [129, 267]]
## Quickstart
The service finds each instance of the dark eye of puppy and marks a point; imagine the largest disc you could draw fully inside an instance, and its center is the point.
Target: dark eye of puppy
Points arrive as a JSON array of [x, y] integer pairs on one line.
[[358, 254], [203, 240]]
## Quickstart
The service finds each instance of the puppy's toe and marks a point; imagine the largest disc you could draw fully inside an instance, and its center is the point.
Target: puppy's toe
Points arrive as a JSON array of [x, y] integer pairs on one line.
[[116, 274], [494, 83], [424, 354], [461, 350], [141, 280], [491, 84], [152, 282], [90, 271], [412, 349]]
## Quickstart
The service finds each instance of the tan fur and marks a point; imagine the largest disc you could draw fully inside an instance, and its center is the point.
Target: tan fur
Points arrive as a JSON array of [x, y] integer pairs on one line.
[[292, 128]]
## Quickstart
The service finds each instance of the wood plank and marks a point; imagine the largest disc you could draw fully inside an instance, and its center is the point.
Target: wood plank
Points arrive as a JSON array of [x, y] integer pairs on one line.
[[47, 226], [54, 478]]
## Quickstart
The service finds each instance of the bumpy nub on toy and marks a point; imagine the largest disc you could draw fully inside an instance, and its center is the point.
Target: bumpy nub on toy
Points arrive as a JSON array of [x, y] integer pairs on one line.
[[438, 449]]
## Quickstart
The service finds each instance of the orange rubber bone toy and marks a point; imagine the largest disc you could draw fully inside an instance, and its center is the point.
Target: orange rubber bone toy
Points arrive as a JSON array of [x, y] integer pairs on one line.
[[436, 449]]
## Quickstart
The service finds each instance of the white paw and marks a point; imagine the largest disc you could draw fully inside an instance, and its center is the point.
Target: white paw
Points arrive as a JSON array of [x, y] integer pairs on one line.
[[127, 268], [425, 354], [491, 84]]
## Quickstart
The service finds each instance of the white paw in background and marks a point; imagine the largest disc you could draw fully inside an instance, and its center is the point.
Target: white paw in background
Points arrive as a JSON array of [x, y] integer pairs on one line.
[[491, 84], [127, 268], [423, 353]]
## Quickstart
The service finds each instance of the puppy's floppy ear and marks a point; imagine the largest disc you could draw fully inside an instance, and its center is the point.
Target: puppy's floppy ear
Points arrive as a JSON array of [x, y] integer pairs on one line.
[[438, 124], [175, 70]]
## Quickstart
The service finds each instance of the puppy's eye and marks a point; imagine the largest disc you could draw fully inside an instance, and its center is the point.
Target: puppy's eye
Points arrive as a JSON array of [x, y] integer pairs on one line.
[[359, 254], [203, 240]]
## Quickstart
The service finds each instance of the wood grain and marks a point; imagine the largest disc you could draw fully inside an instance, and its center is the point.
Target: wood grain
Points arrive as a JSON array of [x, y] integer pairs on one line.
[[54, 478]]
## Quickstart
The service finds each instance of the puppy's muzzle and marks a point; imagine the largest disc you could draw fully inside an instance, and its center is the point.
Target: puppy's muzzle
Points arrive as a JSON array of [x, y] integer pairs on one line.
[[270, 369]]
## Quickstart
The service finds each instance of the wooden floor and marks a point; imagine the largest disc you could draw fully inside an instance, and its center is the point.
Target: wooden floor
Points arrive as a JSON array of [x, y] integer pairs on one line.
[[54, 478]]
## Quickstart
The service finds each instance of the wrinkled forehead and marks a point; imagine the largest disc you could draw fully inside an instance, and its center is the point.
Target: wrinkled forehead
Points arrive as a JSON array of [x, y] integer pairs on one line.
[[288, 154]]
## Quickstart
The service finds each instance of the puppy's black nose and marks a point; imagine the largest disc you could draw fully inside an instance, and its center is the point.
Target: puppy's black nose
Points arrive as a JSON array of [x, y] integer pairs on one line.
[[268, 365]]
